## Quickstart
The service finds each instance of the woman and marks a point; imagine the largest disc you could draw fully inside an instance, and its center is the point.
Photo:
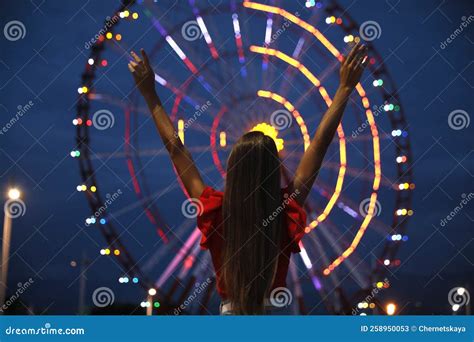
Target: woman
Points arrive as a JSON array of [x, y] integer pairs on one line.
[[252, 227]]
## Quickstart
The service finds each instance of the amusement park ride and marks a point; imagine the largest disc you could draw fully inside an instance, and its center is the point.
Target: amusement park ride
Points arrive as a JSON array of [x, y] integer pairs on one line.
[[224, 70]]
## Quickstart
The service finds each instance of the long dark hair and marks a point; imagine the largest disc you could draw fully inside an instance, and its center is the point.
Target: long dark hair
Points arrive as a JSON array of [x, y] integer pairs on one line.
[[252, 224]]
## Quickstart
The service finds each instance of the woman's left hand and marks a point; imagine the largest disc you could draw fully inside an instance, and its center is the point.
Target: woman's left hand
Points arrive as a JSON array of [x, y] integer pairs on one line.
[[353, 66]]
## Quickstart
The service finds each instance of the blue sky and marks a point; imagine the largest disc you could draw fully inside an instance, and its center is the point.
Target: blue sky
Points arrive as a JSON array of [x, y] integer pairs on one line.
[[45, 67]]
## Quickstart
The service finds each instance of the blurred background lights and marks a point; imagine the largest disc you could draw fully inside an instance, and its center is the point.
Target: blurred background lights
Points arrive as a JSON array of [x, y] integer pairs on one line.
[[390, 309], [14, 194], [349, 38], [377, 83]]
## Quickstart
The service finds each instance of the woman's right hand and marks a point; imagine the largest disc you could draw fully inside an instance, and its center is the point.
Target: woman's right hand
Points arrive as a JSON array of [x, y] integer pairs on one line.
[[353, 67], [142, 73]]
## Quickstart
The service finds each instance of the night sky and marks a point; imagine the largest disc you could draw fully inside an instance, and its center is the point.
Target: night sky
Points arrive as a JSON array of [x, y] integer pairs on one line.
[[45, 67]]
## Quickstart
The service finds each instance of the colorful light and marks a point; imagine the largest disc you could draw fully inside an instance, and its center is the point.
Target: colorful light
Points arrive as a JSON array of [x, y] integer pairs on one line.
[[401, 159], [181, 130], [14, 194], [390, 309], [270, 131], [299, 119], [207, 36], [377, 83], [342, 142], [349, 38], [222, 139]]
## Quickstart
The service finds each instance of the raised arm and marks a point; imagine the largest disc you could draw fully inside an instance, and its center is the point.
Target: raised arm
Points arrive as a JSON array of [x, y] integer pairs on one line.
[[145, 80], [350, 74]]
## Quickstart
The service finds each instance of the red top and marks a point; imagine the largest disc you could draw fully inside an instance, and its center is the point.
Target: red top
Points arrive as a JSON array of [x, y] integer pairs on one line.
[[210, 224]]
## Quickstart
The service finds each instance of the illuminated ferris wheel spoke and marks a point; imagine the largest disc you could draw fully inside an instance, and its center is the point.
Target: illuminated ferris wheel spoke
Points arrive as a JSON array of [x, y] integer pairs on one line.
[[181, 233], [267, 72], [176, 261], [204, 30], [238, 40], [182, 55], [334, 279]]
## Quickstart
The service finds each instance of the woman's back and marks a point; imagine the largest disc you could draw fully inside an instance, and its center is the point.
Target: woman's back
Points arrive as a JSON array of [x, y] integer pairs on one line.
[[211, 224]]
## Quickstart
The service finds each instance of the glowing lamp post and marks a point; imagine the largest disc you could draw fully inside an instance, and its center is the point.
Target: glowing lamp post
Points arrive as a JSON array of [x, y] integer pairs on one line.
[[9, 213], [390, 309]]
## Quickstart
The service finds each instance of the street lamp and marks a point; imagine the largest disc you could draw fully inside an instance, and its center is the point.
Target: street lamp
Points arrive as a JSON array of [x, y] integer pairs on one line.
[[390, 309], [13, 195]]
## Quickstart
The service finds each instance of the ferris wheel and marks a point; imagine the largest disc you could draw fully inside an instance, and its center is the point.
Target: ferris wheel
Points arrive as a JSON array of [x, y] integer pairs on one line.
[[222, 71]]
